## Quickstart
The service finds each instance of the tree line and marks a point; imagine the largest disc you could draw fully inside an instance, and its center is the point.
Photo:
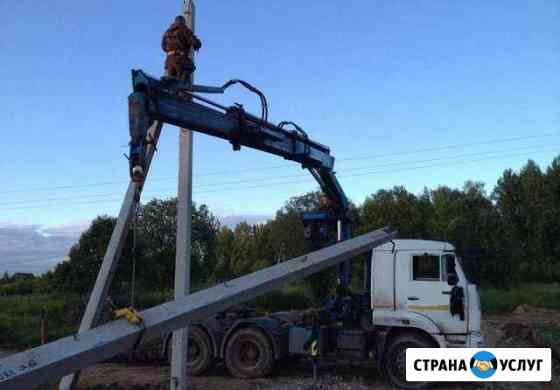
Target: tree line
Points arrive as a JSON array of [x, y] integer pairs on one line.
[[507, 235]]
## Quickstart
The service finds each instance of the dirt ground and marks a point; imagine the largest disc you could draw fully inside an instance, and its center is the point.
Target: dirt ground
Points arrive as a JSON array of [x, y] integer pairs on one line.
[[512, 330]]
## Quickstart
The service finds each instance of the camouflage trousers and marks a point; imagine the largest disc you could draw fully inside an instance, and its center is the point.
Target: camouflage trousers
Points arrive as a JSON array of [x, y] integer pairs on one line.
[[179, 66]]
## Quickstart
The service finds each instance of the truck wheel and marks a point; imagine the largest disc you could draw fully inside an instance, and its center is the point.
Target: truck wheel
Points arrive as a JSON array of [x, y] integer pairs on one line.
[[199, 353], [395, 360], [249, 354]]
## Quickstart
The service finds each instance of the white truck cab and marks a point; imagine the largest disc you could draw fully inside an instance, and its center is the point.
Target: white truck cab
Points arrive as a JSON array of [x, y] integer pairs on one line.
[[420, 284]]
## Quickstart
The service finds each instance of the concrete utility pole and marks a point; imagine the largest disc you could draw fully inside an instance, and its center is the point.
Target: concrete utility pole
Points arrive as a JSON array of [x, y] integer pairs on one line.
[[179, 352]]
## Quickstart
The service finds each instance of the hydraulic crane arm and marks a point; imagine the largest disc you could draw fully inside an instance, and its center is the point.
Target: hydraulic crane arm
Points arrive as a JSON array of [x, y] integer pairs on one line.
[[332, 189], [161, 100], [171, 101], [28, 369]]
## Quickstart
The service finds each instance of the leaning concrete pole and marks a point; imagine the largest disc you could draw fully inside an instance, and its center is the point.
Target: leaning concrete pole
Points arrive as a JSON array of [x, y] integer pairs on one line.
[[179, 353], [100, 290]]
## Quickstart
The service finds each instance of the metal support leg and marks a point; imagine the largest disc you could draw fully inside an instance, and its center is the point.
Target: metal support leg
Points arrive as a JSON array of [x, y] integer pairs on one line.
[[367, 272], [314, 362], [344, 269]]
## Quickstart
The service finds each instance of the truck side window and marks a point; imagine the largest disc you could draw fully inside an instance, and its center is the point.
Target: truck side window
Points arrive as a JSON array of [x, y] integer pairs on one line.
[[425, 268]]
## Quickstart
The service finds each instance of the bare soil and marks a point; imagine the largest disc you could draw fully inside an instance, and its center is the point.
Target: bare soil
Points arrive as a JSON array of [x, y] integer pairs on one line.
[[512, 330], [517, 329]]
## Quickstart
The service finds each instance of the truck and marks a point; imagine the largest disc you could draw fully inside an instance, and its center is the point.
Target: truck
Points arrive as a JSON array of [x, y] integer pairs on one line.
[[415, 292], [416, 295]]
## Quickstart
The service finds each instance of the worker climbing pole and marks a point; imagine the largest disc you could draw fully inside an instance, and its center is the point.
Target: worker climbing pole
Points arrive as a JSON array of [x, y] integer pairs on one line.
[[177, 43]]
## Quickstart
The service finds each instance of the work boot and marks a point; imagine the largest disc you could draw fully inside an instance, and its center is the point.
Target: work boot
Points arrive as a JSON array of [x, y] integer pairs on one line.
[[137, 173]]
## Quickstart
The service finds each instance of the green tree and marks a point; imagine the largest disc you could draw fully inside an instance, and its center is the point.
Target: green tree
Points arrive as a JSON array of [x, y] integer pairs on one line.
[[78, 273], [157, 225], [225, 240], [154, 251], [533, 202], [509, 236], [302, 203], [520, 200], [287, 230], [397, 208], [551, 216], [243, 253], [468, 219]]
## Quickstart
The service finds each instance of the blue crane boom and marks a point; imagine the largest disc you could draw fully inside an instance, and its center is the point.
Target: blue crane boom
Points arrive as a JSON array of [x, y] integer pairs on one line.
[[162, 100]]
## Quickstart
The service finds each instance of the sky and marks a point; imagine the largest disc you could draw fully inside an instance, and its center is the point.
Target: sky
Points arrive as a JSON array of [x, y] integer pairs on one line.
[[413, 93]]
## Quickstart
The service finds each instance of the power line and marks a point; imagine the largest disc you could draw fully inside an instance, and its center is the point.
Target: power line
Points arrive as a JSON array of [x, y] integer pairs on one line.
[[344, 176], [161, 189], [458, 156], [374, 172], [456, 146], [274, 179], [272, 167]]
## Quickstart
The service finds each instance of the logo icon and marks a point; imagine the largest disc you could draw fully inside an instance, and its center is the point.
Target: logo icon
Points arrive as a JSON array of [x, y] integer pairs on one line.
[[484, 364]]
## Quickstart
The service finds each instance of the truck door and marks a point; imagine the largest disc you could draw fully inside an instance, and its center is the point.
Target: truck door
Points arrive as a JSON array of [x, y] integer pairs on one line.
[[429, 293]]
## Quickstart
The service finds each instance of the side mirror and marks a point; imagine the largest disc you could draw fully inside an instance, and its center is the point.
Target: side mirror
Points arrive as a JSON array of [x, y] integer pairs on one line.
[[452, 279]]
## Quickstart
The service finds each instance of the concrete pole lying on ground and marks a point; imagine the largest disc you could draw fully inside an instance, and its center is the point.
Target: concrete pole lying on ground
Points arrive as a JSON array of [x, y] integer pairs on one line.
[[179, 349], [26, 370]]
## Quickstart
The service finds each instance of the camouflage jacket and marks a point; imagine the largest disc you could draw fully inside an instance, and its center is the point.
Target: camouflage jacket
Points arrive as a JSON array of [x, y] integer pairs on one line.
[[179, 37]]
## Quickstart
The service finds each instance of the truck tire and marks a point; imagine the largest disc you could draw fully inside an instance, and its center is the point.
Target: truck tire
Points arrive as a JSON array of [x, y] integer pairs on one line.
[[200, 356], [395, 360], [249, 354]]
